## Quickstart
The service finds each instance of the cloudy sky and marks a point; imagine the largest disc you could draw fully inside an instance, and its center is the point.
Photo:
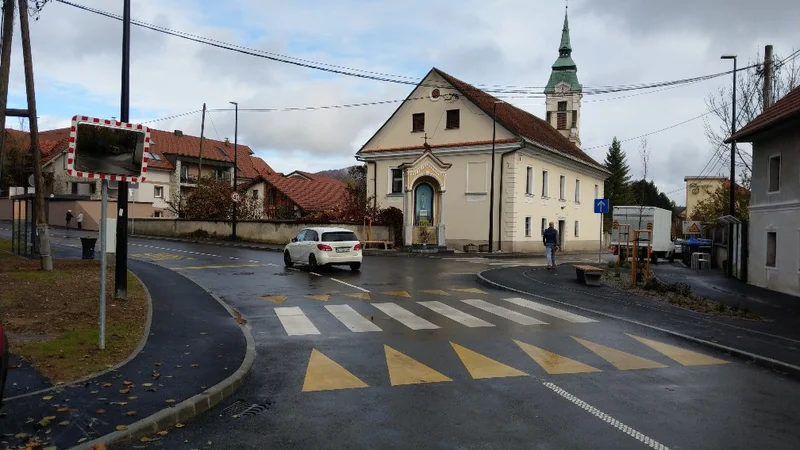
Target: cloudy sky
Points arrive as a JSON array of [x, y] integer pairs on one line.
[[508, 42]]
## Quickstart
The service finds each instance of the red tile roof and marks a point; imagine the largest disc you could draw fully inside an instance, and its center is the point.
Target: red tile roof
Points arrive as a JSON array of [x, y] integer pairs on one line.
[[48, 145], [517, 121], [253, 166], [782, 110], [309, 191]]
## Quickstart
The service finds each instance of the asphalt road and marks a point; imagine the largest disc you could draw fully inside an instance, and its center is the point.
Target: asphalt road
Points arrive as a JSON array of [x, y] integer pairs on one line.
[[413, 353]]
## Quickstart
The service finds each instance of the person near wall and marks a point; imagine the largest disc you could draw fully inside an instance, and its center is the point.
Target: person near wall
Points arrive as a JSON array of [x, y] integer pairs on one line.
[[80, 220], [550, 240], [69, 219]]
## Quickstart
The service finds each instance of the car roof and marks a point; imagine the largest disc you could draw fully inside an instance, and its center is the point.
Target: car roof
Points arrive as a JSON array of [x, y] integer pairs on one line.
[[329, 229]]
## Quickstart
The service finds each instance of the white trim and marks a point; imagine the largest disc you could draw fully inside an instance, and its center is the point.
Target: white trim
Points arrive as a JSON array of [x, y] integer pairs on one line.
[[155, 187], [391, 181], [770, 207], [485, 178]]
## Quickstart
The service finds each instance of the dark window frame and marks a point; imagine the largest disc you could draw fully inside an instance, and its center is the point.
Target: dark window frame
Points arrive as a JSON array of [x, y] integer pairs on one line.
[[394, 180], [453, 119], [418, 122], [774, 183]]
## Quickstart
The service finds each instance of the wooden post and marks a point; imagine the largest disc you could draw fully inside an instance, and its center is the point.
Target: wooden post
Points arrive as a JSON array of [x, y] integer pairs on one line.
[[5, 67]]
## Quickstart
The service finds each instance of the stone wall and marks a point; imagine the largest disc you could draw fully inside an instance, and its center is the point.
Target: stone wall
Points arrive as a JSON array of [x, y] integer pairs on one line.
[[270, 232]]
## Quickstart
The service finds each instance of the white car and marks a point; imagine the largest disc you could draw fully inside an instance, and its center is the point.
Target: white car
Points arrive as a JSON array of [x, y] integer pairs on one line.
[[324, 247]]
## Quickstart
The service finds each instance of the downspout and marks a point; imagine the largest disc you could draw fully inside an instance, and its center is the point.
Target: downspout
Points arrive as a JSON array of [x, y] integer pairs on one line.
[[500, 206]]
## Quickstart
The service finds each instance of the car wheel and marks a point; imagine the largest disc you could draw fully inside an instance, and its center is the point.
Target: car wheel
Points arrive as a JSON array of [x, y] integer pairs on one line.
[[355, 267], [312, 263], [287, 259]]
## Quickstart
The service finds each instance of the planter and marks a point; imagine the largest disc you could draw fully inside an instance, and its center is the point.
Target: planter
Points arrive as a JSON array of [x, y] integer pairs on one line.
[[470, 248], [483, 248]]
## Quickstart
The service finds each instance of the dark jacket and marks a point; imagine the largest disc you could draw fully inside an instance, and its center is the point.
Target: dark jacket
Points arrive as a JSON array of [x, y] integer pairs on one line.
[[69, 216], [550, 236]]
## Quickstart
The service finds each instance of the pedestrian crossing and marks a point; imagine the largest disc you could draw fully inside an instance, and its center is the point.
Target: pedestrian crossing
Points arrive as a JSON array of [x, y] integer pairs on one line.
[[295, 322]]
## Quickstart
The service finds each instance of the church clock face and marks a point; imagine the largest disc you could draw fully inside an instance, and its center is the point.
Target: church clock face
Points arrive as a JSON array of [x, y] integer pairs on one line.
[[563, 89]]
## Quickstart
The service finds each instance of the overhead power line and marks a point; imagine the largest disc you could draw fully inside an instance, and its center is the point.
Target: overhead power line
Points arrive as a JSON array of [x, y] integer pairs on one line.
[[379, 76]]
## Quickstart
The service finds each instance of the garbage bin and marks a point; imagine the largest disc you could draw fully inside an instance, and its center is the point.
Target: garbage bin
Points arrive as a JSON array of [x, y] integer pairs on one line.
[[88, 247]]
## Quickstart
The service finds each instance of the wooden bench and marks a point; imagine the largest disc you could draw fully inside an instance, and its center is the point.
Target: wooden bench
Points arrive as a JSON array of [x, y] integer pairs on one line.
[[385, 244], [589, 275]]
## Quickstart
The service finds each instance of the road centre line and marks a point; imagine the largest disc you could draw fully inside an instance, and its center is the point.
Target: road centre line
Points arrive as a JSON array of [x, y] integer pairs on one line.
[[650, 442], [350, 285]]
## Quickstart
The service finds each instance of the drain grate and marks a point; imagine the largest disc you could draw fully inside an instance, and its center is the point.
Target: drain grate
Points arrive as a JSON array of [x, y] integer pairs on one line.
[[240, 408]]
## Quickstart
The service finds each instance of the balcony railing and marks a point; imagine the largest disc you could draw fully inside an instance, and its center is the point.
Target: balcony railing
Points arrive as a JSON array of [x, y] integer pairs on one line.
[[188, 179]]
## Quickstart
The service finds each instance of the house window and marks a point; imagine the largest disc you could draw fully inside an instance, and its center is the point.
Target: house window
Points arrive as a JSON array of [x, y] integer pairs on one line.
[[255, 194], [544, 224], [158, 191], [271, 196], [562, 106], [577, 191], [74, 188], [453, 118], [775, 173], [596, 191], [158, 214], [576, 228], [772, 248], [545, 182], [574, 118], [529, 180], [562, 188], [527, 227], [397, 181], [222, 152], [549, 117], [418, 122]]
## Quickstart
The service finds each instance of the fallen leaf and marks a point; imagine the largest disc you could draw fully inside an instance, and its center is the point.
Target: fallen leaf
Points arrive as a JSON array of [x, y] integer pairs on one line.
[[147, 384], [195, 365], [159, 364], [47, 397], [163, 433], [127, 383], [52, 447], [93, 392], [132, 397], [107, 384], [124, 391], [131, 413], [101, 411], [146, 439], [64, 423], [21, 436], [170, 400], [156, 375], [203, 332], [187, 353], [50, 417], [33, 443], [100, 446], [62, 410], [179, 425], [122, 403], [44, 423], [179, 366], [121, 427], [82, 440]]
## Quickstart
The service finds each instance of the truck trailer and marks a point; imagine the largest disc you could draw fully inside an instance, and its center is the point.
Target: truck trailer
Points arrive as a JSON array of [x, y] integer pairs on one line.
[[643, 218]]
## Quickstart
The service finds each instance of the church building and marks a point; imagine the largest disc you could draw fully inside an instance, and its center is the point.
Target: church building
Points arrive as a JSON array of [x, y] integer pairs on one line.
[[433, 160]]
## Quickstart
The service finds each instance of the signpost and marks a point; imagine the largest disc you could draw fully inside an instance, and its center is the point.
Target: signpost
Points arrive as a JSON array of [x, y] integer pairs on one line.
[[692, 227], [102, 149], [600, 207], [235, 197]]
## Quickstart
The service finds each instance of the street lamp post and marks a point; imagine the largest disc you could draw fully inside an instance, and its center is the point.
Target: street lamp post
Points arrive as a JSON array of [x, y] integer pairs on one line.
[[491, 187], [732, 196], [235, 163]]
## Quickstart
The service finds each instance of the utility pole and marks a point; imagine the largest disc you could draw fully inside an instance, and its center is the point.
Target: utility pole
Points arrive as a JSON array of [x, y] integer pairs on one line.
[[235, 163], [732, 198], [121, 269], [202, 132], [5, 67], [491, 187], [33, 125], [768, 75]]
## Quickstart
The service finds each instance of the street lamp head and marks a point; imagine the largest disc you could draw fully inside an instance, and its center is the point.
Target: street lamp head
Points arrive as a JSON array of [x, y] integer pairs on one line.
[[234, 103], [727, 57]]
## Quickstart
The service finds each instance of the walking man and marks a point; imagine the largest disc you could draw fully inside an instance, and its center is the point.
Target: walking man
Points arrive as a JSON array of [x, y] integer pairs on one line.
[[550, 240], [69, 218], [80, 220]]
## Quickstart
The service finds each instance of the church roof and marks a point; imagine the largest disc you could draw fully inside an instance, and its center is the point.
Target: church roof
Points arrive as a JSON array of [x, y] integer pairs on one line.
[[564, 69]]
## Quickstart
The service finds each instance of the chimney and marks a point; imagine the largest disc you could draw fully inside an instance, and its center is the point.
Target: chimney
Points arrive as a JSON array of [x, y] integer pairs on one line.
[[178, 133], [227, 142], [767, 94]]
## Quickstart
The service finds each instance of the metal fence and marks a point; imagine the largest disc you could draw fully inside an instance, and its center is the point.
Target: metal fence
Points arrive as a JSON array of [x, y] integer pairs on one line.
[[23, 225]]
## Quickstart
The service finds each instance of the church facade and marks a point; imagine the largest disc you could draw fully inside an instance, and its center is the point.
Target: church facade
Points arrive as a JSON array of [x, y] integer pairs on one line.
[[433, 160]]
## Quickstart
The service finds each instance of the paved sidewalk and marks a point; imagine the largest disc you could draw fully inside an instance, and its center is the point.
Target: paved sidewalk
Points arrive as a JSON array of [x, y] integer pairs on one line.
[[194, 344], [774, 343]]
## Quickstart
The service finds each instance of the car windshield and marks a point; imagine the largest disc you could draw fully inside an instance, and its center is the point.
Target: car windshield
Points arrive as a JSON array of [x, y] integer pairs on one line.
[[339, 236]]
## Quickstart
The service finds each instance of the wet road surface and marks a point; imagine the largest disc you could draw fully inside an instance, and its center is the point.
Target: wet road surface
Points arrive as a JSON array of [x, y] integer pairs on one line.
[[413, 353]]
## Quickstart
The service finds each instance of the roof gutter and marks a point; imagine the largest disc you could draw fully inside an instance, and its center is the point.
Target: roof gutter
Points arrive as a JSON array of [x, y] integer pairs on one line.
[[552, 150]]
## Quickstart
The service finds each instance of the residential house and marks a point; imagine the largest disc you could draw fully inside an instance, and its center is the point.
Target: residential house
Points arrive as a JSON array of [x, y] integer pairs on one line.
[[296, 194], [433, 160], [774, 229], [699, 188]]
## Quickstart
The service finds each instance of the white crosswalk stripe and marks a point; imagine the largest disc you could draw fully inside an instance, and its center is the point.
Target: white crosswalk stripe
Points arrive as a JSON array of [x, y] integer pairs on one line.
[[405, 316], [352, 319], [505, 313], [550, 311], [295, 322], [454, 314]]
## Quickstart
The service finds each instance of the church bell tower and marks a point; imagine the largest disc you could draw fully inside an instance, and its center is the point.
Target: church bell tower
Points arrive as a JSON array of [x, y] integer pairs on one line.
[[563, 92]]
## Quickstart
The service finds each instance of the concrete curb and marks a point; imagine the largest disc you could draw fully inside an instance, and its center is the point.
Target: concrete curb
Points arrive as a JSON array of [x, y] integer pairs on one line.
[[763, 361], [191, 407], [208, 242], [136, 351]]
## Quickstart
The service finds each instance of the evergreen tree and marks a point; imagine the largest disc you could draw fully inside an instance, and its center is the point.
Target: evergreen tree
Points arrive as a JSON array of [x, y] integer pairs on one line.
[[617, 185]]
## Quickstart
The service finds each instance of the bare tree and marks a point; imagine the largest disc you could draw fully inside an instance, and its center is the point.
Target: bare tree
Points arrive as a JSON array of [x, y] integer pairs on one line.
[[749, 104], [644, 156]]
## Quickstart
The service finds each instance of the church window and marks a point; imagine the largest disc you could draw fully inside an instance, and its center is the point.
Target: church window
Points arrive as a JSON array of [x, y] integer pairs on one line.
[[418, 122]]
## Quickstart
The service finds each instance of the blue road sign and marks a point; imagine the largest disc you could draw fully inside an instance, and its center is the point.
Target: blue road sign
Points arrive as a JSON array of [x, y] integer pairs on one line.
[[601, 206]]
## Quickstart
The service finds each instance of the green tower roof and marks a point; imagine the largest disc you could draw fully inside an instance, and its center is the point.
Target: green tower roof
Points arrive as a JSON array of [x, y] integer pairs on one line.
[[564, 69]]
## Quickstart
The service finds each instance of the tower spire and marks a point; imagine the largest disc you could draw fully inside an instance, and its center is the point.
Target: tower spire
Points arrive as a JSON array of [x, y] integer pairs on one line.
[[563, 91], [565, 49]]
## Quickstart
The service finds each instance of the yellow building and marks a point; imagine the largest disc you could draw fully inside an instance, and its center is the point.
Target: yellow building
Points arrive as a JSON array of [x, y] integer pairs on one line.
[[698, 189], [433, 160]]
